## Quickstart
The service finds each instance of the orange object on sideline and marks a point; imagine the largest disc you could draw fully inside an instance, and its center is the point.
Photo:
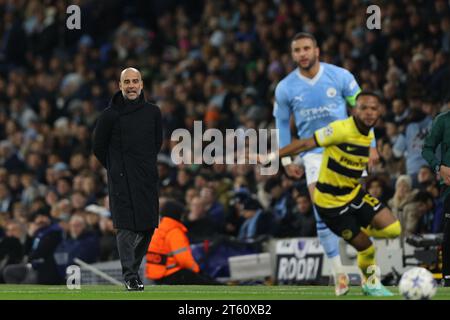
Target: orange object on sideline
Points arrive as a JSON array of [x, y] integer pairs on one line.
[[169, 250]]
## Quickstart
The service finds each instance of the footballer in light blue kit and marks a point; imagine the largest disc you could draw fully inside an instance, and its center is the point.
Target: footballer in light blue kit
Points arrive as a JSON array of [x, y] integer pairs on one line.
[[315, 93]]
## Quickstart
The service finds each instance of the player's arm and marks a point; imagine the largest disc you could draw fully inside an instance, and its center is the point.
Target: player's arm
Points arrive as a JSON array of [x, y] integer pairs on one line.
[[350, 87], [294, 148], [323, 137], [282, 114], [351, 100], [298, 146]]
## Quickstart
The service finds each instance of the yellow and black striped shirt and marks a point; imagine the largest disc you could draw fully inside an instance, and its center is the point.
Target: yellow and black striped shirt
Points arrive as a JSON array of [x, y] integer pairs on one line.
[[345, 157]]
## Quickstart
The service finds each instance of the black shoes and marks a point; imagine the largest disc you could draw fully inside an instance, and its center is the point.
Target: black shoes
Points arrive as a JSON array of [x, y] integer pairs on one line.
[[134, 284]]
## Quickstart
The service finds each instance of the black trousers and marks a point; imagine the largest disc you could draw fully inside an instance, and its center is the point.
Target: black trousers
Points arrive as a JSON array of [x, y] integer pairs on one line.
[[132, 247], [446, 243], [187, 277]]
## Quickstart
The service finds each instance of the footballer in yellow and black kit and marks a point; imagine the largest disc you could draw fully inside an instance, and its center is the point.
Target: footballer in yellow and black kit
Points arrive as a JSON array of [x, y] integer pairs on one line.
[[339, 198], [343, 205]]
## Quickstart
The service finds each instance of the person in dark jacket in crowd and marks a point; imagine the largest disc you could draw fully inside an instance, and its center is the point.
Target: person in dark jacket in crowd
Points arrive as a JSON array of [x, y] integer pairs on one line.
[[11, 247], [41, 266], [281, 204], [302, 222], [257, 222], [197, 221], [127, 139], [80, 243]]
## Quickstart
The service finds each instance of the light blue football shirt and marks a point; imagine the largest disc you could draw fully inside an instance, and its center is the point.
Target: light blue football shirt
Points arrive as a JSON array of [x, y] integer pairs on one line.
[[314, 102]]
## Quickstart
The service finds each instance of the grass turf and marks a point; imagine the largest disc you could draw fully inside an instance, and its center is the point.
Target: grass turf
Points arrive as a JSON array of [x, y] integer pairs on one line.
[[105, 292]]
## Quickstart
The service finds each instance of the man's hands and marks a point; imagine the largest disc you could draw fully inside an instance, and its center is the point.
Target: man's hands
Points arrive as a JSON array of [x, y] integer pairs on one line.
[[444, 173]]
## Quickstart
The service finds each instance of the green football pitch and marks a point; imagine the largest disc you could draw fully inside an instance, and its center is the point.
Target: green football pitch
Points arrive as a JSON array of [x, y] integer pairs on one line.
[[105, 292]]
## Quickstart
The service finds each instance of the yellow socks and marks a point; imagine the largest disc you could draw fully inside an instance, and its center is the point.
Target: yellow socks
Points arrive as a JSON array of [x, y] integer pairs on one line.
[[391, 231], [365, 259]]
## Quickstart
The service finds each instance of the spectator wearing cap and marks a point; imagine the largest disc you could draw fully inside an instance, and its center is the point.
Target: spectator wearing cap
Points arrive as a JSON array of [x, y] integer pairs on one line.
[[257, 222], [79, 243], [233, 219], [41, 267], [169, 256]]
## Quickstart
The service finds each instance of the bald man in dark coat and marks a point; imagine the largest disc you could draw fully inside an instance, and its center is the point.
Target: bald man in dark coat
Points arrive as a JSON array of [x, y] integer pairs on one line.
[[127, 139]]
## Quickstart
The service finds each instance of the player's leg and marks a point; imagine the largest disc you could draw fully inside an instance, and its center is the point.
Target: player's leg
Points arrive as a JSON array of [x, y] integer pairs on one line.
[[378, 220], [344, 221], [380, 223], [328, 240], [384, 225], [371, 284]]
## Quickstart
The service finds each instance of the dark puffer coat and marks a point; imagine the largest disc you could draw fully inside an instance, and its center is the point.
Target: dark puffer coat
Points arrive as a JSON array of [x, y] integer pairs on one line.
[[127, 139]]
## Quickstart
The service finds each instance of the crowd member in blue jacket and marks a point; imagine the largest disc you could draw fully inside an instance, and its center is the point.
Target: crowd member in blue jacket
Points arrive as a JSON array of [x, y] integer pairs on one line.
[[41, 268], [79, 243]]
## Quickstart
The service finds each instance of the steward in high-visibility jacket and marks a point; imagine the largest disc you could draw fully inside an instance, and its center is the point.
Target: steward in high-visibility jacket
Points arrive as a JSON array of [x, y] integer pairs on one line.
[[169, 250]]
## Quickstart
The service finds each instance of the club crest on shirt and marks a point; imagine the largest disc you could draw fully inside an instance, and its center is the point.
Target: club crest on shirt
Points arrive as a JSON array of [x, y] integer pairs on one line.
[[347, 234], [331, 92]]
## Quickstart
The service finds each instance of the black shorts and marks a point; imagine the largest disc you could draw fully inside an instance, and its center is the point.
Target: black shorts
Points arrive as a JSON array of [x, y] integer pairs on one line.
[[347, 221]]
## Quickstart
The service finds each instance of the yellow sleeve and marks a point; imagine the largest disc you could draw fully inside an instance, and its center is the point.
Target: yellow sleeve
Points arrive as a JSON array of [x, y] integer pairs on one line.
[[330, 135]]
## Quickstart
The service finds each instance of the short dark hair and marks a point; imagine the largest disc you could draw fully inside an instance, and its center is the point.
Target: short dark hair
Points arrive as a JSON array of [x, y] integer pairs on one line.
[[304, 195], [173, 209], [272, 183], [367, 93], [304, 35], [423, 196]]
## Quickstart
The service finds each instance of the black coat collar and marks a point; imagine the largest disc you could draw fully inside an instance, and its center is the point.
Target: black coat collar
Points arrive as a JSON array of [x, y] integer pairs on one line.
[[119, 103]]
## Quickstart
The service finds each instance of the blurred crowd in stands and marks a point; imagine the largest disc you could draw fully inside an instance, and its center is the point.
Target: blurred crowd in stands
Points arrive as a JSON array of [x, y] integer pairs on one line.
[[218, 62]]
